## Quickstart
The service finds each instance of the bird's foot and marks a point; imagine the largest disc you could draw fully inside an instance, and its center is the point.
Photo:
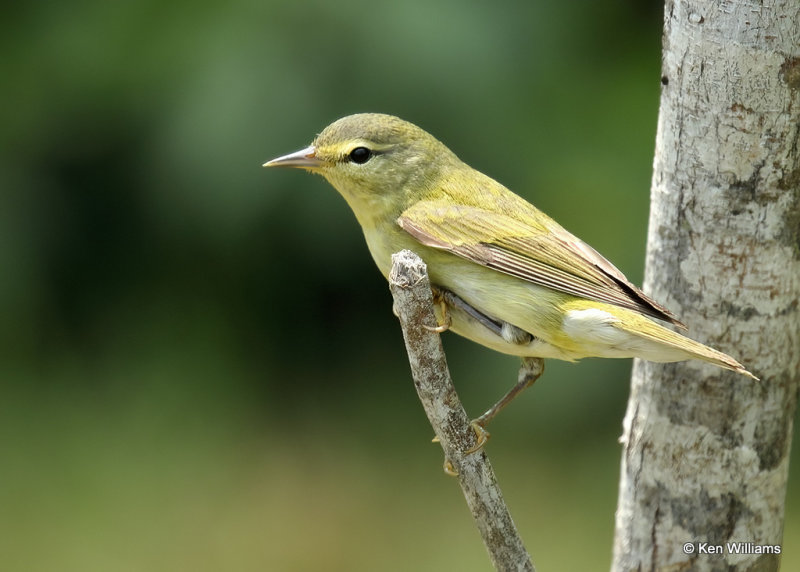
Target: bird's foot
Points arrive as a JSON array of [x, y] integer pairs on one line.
[[447, 320], [481, 436]]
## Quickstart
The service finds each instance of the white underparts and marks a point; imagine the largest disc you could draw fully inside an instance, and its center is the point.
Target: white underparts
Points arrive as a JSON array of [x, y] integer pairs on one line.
[[599, 334]]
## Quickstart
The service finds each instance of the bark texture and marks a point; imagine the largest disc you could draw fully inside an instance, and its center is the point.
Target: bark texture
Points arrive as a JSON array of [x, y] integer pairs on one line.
[[706, 451]]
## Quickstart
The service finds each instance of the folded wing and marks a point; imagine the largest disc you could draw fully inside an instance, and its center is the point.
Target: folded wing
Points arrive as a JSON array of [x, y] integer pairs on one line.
[[541, 253]]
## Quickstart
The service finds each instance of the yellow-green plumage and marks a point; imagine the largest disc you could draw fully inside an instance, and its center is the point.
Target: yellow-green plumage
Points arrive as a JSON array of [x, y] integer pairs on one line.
[[498, 253]]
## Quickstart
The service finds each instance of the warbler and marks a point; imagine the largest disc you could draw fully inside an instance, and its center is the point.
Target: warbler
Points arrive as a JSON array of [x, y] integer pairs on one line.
[[506, 275]]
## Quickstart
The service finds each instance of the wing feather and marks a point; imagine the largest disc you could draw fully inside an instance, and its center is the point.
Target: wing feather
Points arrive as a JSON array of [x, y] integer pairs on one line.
[[541, 253]]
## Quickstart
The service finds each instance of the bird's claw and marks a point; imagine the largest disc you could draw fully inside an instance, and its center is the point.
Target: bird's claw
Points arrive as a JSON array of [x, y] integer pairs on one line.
[[446, 319], [449, 469], [481, 435], [439, 329]]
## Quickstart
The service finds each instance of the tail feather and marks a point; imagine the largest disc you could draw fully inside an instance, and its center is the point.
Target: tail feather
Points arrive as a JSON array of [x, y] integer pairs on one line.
[[657, 333]]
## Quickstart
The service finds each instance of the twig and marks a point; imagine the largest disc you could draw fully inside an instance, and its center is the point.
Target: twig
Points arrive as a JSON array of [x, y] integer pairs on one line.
[[413, 301]]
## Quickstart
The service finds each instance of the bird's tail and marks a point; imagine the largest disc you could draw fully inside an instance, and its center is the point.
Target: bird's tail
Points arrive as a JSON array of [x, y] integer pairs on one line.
[[652, 331]]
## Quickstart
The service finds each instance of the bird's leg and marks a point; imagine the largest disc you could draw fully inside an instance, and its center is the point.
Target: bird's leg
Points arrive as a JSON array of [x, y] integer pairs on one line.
[[529, 372], [454, 301]]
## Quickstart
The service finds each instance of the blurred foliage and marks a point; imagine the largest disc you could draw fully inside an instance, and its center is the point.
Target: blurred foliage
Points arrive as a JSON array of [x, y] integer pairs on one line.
[[198, 361]]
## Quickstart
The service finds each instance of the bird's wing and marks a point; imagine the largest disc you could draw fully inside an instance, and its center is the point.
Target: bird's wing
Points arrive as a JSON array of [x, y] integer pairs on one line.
[[541, 253]]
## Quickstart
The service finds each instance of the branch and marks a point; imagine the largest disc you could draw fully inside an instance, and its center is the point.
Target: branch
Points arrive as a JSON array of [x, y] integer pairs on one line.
[[413, 304]]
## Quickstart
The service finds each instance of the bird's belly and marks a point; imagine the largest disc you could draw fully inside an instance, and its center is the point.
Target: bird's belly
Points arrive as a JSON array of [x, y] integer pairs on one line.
[[465, 325], [501, 297]]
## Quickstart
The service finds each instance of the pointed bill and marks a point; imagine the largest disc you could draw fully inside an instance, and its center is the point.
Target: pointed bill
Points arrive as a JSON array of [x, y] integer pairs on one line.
[[304, 159]]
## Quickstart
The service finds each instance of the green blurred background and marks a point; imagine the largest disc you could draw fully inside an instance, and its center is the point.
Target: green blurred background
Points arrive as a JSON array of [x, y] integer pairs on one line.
[[200, 369]]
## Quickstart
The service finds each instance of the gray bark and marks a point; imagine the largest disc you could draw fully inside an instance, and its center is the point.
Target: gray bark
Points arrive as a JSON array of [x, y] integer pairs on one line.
[[706, 451], [411, 289]]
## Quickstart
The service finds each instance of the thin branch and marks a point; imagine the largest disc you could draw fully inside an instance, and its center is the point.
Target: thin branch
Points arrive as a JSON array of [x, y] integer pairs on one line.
[[413, 301]]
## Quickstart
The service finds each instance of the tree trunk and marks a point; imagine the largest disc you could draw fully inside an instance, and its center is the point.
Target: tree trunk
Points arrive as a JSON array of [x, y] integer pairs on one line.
[[706, 451]]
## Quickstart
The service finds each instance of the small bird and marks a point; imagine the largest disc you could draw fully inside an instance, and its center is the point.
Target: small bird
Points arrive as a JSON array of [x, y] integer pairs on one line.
[[504, 274]]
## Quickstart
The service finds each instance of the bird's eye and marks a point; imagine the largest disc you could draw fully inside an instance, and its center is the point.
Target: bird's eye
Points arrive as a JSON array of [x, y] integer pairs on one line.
[[360, 155]]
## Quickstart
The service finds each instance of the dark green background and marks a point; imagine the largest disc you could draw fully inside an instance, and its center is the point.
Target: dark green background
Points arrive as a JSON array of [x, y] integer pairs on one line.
[[200, 369]]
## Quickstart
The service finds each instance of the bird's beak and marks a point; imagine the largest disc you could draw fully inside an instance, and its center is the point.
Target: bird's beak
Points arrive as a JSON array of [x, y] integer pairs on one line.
[[304, 158]]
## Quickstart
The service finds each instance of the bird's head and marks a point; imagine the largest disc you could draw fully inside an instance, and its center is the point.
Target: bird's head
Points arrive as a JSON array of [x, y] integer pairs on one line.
[[374, 160]]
